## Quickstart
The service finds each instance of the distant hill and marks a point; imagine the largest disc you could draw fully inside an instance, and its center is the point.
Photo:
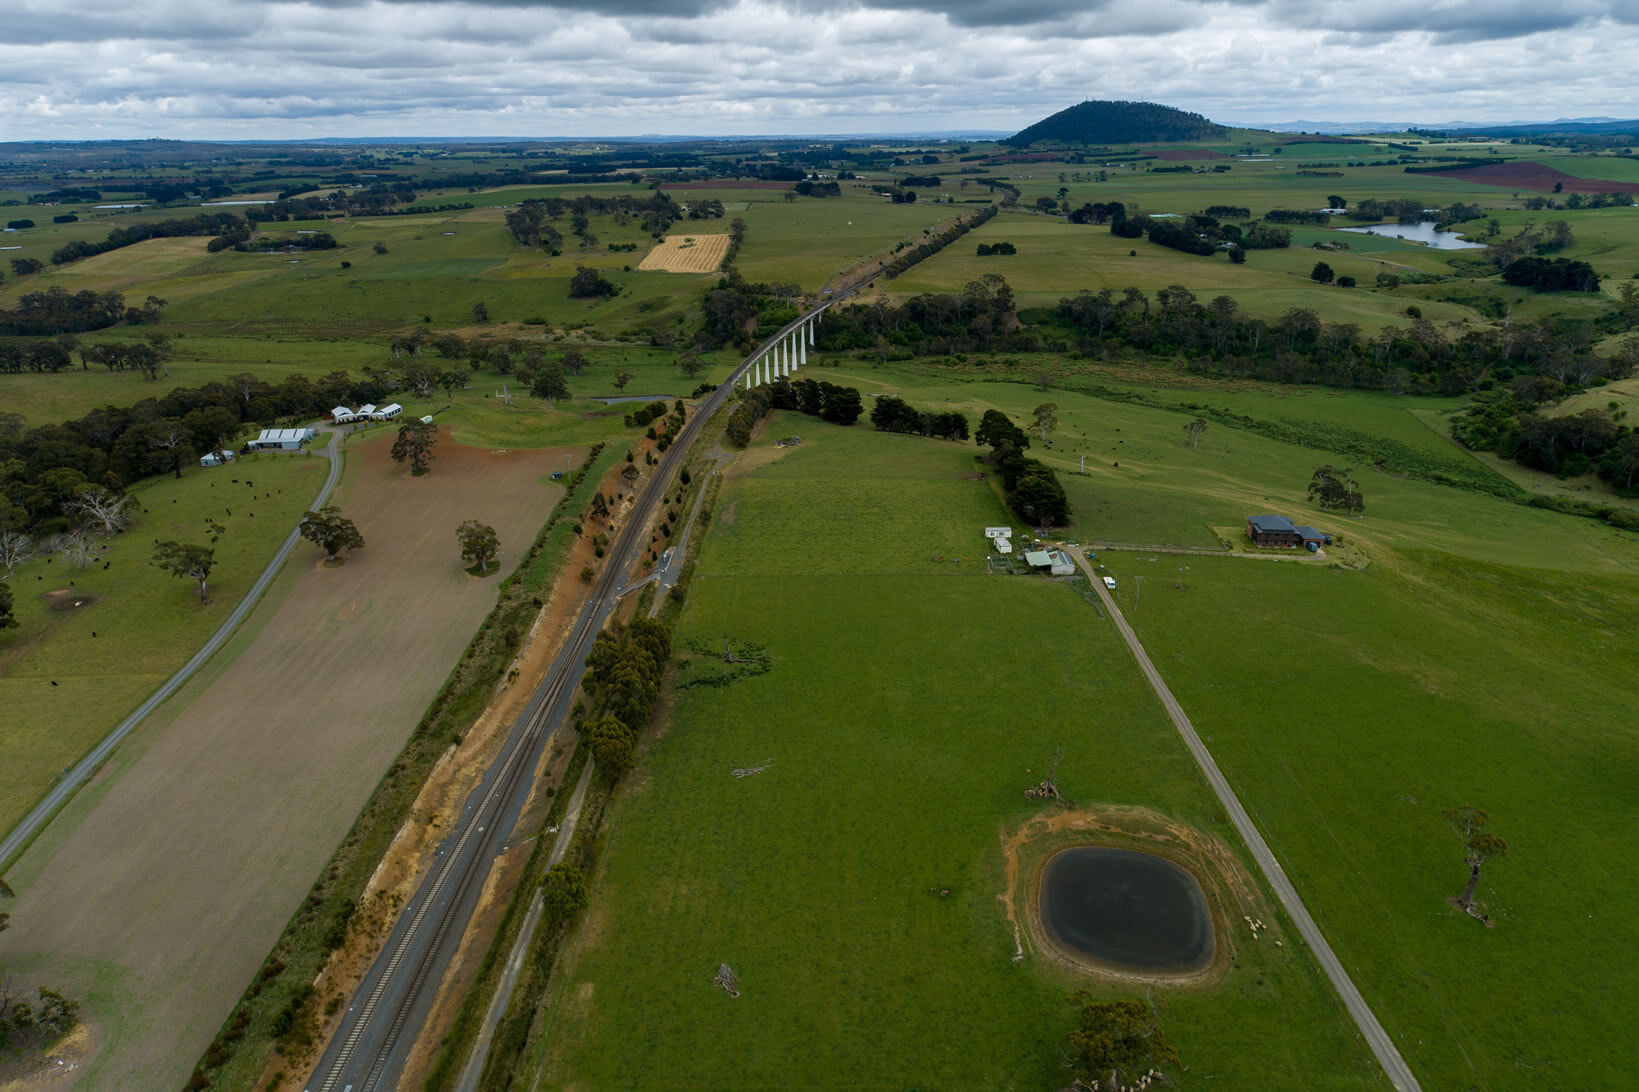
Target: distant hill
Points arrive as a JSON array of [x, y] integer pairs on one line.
[[1102, 122]]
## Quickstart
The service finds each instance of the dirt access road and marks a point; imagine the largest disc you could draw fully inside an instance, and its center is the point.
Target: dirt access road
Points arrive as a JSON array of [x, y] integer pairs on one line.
[[1388, 1055], [157, 892]]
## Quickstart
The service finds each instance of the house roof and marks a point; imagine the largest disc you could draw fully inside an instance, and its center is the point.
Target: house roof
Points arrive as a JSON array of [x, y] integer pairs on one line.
[[341, 411], [1307, 533], [1271, 523], [1037, 558], [275, 435]]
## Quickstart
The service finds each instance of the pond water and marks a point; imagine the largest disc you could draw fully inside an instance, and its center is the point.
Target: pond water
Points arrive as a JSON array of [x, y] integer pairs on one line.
[[1135, 911], [1419, 233]]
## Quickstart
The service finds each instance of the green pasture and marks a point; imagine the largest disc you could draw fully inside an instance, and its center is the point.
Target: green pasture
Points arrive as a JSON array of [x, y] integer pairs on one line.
[[811, 239], [903, 715], [1350, 709], [67, 677], [1057, 259], [1163, 491]]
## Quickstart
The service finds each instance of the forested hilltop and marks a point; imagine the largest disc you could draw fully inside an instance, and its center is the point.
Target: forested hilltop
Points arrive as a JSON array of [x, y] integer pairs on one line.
[[1110, 122]]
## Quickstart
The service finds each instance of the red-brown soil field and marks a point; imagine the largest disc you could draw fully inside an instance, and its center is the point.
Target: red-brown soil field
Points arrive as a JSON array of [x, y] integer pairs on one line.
[[726, 184], [1528, 175], [159, 890], [1173, 154]]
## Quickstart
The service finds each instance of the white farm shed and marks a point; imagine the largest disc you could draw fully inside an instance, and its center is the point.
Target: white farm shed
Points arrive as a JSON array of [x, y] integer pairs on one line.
[[389, 411], [282, 439], [1003, 545], [216, 458]]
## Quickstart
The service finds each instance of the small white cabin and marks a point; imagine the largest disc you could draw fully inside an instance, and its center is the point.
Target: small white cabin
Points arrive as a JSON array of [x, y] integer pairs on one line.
[[1003, 545], [216, 458]]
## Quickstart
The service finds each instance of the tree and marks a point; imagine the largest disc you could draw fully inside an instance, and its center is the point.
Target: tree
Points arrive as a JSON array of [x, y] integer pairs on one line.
[[95, 506], [1334, 488], [587, 284], [7, 618], [331, 531], [1046, 419], [1195, 428], [415, 443], [187, 560], [623, 378], [212, 427], [1322, 273], [563, 892], [1479, 846], [614, 746], [1237, 254], [1114, 1043], [16, 546], [379, 247], [480, 312], [479, 543], [574, 361], [692, 363], [549, 383], [995, 429]]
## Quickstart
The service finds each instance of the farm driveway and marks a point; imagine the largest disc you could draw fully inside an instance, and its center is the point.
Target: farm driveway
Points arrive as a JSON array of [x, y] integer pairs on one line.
[[157, 892]]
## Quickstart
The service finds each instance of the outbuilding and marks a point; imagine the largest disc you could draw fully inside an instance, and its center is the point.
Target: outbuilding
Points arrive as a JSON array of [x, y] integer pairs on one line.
[[342, 415], [1278, 531], [282, 439], [389, 411], [216, 458]]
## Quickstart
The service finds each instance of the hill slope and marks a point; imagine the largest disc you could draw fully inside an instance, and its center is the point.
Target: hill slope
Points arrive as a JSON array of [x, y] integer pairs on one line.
[[1107, 122]]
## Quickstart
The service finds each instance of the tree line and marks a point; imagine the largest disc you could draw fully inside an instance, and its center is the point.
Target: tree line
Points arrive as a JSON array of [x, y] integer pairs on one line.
[[1510, 421], [206, 223], [59, 311], [623, 672], [1031, 486]]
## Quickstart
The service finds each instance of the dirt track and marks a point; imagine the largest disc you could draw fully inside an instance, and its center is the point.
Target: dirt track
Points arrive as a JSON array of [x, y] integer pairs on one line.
[[157, 893]]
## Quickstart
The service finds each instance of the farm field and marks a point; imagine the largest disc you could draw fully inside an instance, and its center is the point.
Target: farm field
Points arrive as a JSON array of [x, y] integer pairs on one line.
[[1429, 682], [69, 674], [686, 254], [160, 888], [1163, 492], [906, 707], [1057, 259]]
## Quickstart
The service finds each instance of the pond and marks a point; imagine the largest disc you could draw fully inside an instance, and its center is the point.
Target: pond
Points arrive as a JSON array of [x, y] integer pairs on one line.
[[1419, 233], [1129, 910]]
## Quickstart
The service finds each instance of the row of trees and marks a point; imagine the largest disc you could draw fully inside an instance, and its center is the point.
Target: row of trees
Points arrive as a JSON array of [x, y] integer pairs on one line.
[[1031, 486], [206, 223], [623, 673], [893, 414], [59, 311], [817, 398]]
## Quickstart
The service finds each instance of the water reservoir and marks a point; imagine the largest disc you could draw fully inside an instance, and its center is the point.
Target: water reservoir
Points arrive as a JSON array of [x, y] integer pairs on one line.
[[1127, 910]]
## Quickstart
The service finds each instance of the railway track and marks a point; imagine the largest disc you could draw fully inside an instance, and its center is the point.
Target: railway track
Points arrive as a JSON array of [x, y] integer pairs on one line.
[[369, 1048]]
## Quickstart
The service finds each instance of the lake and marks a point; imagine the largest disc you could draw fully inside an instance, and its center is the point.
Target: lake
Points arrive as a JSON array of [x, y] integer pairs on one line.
[[1419, 233]]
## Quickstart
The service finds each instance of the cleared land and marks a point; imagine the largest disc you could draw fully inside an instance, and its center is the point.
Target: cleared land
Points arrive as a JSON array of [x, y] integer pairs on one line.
[[157, 892], [854, 885], [686, 254], [1527, 174], [69, 674]]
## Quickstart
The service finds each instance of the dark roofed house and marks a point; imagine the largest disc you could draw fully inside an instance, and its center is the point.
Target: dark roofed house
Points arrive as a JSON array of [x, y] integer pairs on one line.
[[1312, 538], [1272, 531], [1280, 531]]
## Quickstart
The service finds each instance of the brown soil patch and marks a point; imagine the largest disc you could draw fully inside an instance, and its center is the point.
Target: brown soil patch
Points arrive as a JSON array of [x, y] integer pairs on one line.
[[1174, 155], [170, 886], [686, 254], [63, 1066], [1230, 892], [726, 184], [69, 599], [1530, 175]]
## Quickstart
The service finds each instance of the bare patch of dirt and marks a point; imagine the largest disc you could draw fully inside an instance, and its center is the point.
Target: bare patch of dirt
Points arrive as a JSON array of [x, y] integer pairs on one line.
[[1530, 175], [69, 599], [1230, 892], [63, 1066]]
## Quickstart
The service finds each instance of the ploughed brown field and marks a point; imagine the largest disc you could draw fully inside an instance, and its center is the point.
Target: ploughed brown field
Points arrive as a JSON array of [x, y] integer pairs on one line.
[[156, 894], [1529, 175]]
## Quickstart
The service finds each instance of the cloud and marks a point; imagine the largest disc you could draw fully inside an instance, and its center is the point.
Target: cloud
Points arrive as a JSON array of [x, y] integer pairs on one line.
[[298, 68]]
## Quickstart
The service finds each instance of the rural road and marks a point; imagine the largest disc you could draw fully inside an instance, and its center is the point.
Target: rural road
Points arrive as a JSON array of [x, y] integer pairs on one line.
[[385, 1015], [80, 772], [1399, 1073]]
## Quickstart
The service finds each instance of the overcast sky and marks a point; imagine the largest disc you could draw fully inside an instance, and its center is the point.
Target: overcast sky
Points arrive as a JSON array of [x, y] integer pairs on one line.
[[243, 69]]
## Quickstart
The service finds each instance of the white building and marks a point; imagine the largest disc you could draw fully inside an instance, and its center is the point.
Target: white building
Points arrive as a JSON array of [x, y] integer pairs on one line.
[[282, 439], [343, 415], [388, 412], [216, 458]]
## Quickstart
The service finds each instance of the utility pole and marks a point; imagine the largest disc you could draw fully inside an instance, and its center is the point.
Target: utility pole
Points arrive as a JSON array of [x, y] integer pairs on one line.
[[1084, 464]]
